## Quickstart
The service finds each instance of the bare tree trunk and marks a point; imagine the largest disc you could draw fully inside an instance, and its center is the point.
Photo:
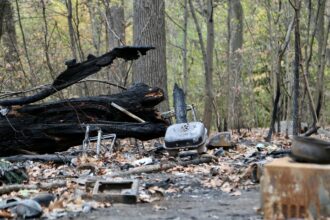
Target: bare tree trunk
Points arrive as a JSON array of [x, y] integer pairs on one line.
[[235, 23], [149, 29], [78, 40], [3, 6], [184, 51], [24, 40], [207, 59], [95, 20], [71, 30], [207, 117], [322, 38], [9, 38], [75, 40], [46, 41], [116, 33], [296, 67]]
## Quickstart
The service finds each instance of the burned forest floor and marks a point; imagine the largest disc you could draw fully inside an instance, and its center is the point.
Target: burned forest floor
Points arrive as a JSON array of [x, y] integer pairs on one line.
[[223, 184]]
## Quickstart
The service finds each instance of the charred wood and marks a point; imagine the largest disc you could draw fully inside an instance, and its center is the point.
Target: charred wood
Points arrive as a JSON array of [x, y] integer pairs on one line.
[[56, 126]]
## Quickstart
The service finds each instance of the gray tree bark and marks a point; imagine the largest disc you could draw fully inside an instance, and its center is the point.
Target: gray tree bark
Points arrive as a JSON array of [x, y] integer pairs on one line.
[[235, 32], [96, 23], [149, 29], [116, 33], [322, 36], [184, 51], [9, 33], [207, 116], [71, 30], [296, 74]]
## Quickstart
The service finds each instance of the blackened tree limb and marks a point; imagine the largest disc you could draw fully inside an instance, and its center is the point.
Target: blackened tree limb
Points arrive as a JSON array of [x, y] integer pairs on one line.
[[49, 138], [56, 126], [78, 71]]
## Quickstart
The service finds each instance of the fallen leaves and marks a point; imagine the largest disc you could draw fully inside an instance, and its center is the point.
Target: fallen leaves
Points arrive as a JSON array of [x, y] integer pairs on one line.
[[231, 171]]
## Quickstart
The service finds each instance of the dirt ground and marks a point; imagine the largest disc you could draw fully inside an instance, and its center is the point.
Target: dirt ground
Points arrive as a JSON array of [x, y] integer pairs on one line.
[[194, 201], [208, 204]]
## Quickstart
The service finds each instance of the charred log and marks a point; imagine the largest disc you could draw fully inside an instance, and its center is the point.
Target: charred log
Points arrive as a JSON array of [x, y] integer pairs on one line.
[[78, 71], [56, 126]]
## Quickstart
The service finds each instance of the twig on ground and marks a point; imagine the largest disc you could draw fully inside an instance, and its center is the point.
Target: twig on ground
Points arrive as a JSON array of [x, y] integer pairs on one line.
[[43, 186], [161, 167], [42, 158]]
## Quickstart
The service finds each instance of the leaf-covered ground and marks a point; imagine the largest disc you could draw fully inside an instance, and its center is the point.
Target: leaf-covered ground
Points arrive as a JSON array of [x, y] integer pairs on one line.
[[228, 186]]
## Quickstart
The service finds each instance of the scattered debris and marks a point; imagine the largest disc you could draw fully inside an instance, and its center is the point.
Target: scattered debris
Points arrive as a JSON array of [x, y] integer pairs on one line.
[[116, 191], [143, 161], [85, 181], [12, 174]]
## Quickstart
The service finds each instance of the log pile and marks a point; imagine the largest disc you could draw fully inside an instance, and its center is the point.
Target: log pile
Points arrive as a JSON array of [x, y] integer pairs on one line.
[[56, 126]]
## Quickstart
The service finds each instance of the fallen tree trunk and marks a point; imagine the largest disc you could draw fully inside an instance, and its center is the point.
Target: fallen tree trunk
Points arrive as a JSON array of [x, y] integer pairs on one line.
[[56, 126]]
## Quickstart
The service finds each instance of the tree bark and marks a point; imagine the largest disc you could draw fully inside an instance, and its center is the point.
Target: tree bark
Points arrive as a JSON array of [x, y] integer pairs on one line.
[[184, 51], [149, 29], [116, 32], [296, 67], [322, 38], [73, 44], [235, 23], [23, 39], [46, 41], [56, 126], [9, 38], [3, 8], [95, 20], [207, 116]]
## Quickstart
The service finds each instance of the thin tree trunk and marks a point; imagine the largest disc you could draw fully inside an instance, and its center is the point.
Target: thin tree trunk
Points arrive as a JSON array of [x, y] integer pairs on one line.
[[296, 67], [207, 117], [184, 51], [3, 6], [78, 41], [207, 54], [95, 24], [46, 41], [322, 36], [71, 30], [23, 38], [116, 31], [9, 39], [235, 23]]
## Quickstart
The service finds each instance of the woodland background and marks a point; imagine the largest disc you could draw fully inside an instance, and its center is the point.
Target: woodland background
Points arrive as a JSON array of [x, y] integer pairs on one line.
[[243, 63]]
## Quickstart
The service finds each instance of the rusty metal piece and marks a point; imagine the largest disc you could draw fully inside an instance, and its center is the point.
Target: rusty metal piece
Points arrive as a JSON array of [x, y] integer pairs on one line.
[[116, 191], [307, 149], [291, 190]]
